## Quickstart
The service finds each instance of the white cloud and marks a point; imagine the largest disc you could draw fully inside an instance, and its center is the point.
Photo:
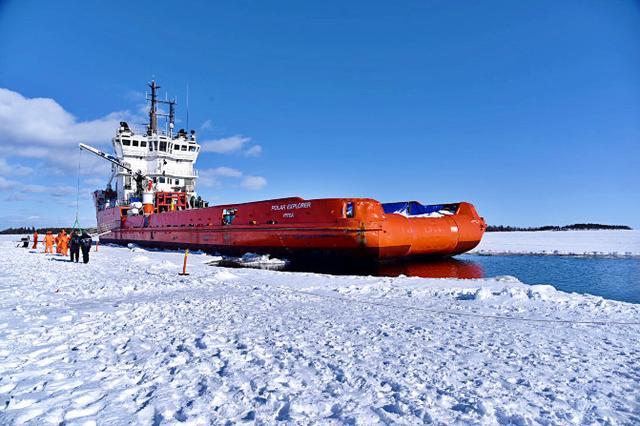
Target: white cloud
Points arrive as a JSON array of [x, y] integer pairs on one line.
[[254, 151], [208, 124], [14, 169], [225, 145], [211, 177], [95, 181], [42, 128], [227, 172], [18, 191], [12, 197], [6, 183], [35, 189], [43, 122], [254, 182]]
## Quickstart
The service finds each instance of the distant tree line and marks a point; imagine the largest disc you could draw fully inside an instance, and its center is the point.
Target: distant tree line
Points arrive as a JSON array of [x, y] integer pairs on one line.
[[30, 230], [574, 227]]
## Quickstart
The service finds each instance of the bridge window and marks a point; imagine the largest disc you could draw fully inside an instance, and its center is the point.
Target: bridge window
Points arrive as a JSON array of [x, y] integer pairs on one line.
[[126, 142], [192, 148], [163, 146], [143, 144], [134, 143], [161, 179], [183, 148]]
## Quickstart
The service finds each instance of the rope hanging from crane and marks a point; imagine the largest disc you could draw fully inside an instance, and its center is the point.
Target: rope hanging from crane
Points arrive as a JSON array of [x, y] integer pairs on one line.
[[76, 224]]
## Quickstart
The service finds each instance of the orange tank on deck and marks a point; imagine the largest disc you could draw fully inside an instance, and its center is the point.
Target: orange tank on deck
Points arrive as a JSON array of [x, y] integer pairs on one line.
[[358, 227]]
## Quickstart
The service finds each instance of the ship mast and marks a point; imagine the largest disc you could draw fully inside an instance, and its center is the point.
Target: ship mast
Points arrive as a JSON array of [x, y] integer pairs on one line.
[[153, 116]]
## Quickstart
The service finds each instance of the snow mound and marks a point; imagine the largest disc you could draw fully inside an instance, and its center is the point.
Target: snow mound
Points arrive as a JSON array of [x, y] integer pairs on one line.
[[482, 293], [541, 292], [225, 276]]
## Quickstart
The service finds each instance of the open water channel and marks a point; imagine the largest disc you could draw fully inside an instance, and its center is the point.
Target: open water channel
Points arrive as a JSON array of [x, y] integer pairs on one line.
[[611, 278]]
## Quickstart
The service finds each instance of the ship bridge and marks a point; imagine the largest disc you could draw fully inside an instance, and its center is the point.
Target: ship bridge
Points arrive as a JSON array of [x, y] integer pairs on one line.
[[165, 159]]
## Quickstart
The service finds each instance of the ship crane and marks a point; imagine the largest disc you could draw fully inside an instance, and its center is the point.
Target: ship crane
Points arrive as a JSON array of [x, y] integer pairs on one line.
[[138, 176], [104, 155]]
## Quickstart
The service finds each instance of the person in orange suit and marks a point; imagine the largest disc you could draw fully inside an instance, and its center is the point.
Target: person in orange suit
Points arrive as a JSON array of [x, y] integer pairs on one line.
[[48, 242], [63, 243], [59, 242], [65, 247], [60, 239], [35, 240]]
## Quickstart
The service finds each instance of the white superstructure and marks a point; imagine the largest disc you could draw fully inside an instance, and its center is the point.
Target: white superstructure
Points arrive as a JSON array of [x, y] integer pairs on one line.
[[168, 162], [159, 161]]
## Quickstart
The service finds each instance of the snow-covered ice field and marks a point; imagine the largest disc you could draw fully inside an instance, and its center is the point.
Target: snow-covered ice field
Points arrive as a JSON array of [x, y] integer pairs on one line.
[[124, 340], [577, 243]]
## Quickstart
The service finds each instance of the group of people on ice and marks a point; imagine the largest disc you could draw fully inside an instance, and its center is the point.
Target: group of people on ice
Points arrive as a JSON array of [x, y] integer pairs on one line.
[[65, 243]]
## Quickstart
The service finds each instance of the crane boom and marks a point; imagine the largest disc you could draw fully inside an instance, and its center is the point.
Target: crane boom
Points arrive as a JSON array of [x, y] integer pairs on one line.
[[104, 155]]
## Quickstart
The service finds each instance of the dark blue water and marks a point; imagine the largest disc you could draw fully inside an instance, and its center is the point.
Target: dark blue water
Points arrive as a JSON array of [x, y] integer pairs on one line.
[[617, 279], [611, 278]]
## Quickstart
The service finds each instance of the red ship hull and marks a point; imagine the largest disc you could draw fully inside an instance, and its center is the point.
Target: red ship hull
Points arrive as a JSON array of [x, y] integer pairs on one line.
[[293, 227]]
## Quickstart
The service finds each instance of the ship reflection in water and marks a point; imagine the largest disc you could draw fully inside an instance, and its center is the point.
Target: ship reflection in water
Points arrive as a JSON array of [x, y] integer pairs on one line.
[[443, 268], [434, 268]]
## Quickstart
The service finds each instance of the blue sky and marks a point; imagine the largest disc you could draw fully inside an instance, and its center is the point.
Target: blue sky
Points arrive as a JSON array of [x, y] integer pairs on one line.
[[529, 110]]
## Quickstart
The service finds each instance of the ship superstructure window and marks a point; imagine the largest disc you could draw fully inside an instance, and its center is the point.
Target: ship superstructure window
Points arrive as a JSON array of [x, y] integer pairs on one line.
[[348, 210], [126, 142], [163, 146], [183, 148], [228, 215], [134, 143], [192, 148], [161, 179], [177, 181], [143, 144]]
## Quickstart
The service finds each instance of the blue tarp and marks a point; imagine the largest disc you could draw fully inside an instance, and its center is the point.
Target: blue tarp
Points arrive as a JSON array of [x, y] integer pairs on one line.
[[413, 208]]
